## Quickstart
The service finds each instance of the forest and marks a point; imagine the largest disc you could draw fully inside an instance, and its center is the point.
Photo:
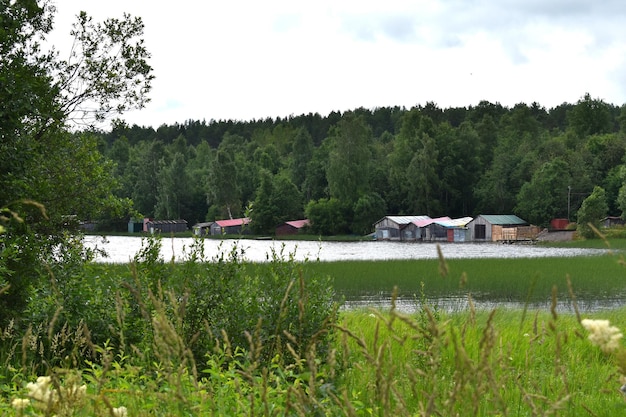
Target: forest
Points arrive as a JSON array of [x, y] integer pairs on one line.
[[346, 170]]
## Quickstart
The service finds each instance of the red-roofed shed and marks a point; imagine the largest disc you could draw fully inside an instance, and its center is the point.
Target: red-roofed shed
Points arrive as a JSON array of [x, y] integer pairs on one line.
[[230, 226], [291, 227]]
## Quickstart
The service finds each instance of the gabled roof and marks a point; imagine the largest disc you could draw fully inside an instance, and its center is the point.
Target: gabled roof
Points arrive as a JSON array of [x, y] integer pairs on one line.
[[232, 222], [455, 222], [201, 225], [426, 222], [503, 219], [156, 222], [298, 224], [403, 220]]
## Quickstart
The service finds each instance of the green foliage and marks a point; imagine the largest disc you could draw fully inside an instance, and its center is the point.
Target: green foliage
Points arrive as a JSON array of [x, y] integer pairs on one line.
[[368, 209], [328, 216], [349, 159], [591, 213], [545, 196], [277, 200], [40, 160]]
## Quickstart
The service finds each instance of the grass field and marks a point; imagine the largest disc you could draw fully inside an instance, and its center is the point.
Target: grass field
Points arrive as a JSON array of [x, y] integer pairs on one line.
[[497, 362]]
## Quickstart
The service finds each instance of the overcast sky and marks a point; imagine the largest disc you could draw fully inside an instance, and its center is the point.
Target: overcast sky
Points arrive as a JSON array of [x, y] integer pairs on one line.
[[253, 59]]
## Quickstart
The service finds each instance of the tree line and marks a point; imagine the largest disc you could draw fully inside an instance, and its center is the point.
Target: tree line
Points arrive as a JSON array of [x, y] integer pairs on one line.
[[346, 170]]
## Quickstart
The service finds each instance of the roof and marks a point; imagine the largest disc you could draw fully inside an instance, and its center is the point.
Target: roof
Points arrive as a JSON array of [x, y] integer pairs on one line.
[[200, 225], [232, 222], [455, 222], [179, 221], [503, 219], [426, 222], [404, 219], [298, 224]]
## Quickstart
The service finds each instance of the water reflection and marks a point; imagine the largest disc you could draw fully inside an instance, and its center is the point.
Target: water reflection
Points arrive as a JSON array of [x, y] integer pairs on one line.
[[122, 249], [453, 304]]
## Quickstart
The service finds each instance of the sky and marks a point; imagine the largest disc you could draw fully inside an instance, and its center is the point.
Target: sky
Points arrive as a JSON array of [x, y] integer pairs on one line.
[[250, 59]]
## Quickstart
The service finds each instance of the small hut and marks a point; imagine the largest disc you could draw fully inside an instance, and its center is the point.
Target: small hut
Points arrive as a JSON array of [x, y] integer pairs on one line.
[[397, 227], [202, 229], [166, 226], [230, 227], [292, 227]]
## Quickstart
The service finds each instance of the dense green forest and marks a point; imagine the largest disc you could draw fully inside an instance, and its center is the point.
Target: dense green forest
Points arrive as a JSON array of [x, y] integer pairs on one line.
[[346, 170]]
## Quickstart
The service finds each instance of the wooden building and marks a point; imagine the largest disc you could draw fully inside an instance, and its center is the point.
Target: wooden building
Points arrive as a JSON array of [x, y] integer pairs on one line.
[[230, 227], [398, 227], [202, 229], [166, 226], [292, 227], [450, 230], [501, 227]]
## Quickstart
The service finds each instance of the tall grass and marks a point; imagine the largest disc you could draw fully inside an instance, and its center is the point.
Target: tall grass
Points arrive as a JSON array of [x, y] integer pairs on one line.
[[309, 361]]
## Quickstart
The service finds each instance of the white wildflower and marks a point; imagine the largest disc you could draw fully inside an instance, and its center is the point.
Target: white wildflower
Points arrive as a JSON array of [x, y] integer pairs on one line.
[[120, 412], [602, 334], [40, 391], [75, 392], [20, 403]]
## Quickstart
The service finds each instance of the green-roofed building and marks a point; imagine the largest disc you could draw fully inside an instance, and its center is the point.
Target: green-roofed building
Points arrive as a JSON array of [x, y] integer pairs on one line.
[[495, 227]]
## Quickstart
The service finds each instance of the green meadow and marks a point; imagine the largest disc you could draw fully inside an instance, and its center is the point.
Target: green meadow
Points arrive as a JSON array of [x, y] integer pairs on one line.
[[231, 338]]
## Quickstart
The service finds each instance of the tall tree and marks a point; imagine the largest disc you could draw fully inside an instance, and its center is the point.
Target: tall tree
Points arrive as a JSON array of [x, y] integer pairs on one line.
[[173, 190], [546, 196], [592, 211], [301, 154], [349, 159], [422, 178], [106, 73], [223, 189], [590, 117]]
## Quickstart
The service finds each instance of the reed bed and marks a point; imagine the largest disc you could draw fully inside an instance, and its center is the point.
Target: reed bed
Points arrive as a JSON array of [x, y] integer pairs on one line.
[[519, 280]]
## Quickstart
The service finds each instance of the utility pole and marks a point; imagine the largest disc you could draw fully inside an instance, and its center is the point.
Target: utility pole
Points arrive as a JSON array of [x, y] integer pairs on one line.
[[569, 193]]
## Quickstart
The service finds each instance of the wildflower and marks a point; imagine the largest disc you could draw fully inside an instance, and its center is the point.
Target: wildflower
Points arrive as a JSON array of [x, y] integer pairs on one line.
[[75, 392], [20, 403], [120, 412], [602, 334], [40, 391]]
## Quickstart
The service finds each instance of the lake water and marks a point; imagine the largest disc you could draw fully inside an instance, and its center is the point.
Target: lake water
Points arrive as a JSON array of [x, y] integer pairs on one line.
[[121, 249]]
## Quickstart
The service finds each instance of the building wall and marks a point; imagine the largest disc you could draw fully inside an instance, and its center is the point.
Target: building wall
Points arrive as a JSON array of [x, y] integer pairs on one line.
[[387, 230], [285, 229], [480, 222]]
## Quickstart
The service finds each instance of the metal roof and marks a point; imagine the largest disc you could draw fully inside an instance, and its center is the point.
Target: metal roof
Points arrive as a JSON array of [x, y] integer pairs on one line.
[[455, 222], [298, 223], [503, 219], [232, 222], [404, 219], [426, 222]]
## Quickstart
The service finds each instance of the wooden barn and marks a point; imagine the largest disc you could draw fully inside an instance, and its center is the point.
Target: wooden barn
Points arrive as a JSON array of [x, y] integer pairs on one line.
[[426, 228], [501, 228], [230, 227], [166, 226], [450, 230], [398, 227], [292, 227]]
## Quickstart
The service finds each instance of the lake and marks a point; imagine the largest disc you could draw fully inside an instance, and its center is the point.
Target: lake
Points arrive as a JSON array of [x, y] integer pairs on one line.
[[121, 249]]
